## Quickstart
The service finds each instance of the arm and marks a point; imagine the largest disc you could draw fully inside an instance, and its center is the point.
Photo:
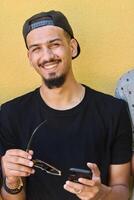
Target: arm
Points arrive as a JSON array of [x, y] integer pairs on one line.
[[121, 94], [7, 196], [16, 164], [119, 182], [132, 164], [118, 187]]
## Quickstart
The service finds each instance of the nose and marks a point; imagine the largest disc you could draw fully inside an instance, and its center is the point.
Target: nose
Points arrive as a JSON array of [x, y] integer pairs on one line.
[[46, 54]]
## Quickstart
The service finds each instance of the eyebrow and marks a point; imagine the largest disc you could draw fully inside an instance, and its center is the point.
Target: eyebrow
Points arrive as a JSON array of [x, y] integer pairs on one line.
[[50, 41]]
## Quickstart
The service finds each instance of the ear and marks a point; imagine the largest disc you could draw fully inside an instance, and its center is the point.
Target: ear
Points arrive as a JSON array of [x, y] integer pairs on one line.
[[74, 45]]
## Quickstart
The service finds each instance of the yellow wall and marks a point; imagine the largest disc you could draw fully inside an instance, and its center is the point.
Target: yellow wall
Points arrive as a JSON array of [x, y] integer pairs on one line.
[[104, 29]]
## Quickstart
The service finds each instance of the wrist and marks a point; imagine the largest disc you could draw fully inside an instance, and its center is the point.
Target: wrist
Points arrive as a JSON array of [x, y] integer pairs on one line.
[[12, 185], [105, 191], [12, 182]]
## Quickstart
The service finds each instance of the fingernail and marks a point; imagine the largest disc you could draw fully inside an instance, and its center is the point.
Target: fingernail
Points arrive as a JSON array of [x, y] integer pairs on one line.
[[30, 164], [31, 152], [33, 171], [29, 157]]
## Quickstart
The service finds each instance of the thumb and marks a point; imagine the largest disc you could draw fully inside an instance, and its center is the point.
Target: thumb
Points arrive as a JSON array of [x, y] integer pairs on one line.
[[95, 170]]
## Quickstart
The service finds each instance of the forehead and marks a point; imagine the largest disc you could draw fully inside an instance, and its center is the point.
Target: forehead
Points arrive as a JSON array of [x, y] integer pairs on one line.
[[44, 34]]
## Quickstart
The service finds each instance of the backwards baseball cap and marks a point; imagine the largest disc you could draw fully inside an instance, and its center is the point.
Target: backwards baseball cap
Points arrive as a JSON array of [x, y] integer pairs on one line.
[[53, 18]]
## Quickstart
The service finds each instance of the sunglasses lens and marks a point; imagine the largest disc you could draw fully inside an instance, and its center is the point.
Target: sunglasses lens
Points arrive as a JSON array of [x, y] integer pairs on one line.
[[48, 168], [52, 170]]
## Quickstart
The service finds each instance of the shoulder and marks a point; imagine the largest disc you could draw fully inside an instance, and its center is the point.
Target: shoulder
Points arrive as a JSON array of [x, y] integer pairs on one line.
[[126, 79], [103, 97], [111, 111], [125, 85], [19, 103], [105, 102]]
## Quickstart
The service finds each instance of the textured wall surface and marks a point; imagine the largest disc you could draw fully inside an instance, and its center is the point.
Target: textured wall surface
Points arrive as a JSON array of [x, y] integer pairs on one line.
[[104, 29]]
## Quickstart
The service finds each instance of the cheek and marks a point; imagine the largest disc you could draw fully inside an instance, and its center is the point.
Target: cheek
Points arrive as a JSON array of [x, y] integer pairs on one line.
[[62, 51], [33, 60]]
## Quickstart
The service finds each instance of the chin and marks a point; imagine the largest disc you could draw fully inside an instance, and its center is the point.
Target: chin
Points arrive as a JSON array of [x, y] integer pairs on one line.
[[55, 82]]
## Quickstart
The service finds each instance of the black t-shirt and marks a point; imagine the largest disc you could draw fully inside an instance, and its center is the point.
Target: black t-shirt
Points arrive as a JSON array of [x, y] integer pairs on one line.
[[97, 130]]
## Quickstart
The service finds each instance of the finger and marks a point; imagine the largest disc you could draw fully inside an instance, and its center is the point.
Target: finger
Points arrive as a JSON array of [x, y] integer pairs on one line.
[[18, 152], [19, 160], [16, 173], [90, 185], [72, 187], [94, 168], [18, 167], [69, 189], [86, 182], [31, 152], [18, 170]]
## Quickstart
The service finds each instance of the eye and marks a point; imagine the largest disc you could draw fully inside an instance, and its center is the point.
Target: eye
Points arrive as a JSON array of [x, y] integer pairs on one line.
[[55, 45], [35, 49]]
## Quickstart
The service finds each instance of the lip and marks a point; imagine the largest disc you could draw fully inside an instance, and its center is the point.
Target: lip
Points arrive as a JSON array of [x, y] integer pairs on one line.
[[50, 65]]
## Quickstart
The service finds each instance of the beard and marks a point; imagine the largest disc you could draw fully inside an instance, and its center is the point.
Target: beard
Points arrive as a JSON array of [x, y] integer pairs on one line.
[[55, 82]]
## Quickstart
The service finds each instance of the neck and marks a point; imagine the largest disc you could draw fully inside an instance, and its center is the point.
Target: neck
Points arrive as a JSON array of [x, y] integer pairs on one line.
[[65, 97]]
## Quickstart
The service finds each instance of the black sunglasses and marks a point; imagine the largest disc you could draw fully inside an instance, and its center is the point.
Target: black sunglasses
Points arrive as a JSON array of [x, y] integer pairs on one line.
[[39, 163]]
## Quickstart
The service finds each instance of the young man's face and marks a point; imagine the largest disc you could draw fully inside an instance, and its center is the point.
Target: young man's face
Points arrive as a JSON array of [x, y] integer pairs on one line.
[[50, 53]]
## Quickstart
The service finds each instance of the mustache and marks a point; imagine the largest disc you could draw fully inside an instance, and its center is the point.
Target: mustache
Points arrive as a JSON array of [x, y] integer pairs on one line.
[[49, 61]]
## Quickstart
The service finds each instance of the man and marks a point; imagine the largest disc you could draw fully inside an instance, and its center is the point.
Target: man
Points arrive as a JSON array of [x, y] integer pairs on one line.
[[125, 91], [63, 124]]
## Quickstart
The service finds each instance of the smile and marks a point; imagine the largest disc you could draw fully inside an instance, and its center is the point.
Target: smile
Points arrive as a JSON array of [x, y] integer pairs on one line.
[[50, 65]]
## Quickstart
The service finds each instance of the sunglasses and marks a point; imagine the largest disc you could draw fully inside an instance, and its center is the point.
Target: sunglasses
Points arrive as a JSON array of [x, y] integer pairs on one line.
[[39, 163]]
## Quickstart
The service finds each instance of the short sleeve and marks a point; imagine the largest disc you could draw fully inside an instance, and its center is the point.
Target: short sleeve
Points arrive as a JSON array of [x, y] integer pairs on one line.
[[122, 142], [7, 134]]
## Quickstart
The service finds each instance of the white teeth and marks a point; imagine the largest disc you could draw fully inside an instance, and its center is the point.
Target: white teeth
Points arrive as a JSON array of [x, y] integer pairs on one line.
[[49, 65]]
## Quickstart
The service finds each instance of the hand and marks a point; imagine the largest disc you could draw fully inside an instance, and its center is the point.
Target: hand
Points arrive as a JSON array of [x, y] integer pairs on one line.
[[87, 189], [17, 163]]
